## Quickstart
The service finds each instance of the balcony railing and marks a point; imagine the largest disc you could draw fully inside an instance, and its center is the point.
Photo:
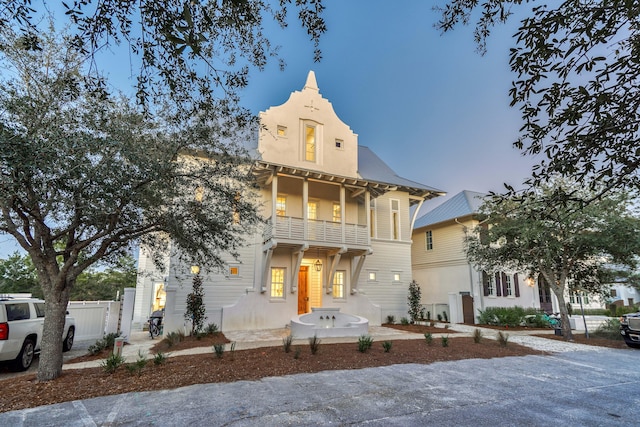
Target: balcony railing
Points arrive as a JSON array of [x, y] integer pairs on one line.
[[319, 231]]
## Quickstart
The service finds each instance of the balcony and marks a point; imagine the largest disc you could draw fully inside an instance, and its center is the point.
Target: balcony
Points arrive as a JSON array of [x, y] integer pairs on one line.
[[316, 231]]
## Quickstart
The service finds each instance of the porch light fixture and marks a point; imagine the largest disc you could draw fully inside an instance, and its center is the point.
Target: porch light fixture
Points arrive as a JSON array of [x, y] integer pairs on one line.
[[530, 282], [195, 269], [318, 263]]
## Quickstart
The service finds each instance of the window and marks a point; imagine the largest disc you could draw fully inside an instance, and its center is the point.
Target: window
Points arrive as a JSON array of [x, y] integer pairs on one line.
[[429, 240], [338, 284], [17, 311], [281, 206], [277, 282], [395, 219], [282, 130], [312, 210], [234, 271], [396, 276], [339, 144], [39, 309], [491, 285], [508, 286], [372, 217], [613, 293], [310, 143], [337, 213], [372, 276]]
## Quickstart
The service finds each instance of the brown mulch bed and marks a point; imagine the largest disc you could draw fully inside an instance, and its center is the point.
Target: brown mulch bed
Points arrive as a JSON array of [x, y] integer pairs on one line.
[[25, 392], [419, 329], [582, 339]]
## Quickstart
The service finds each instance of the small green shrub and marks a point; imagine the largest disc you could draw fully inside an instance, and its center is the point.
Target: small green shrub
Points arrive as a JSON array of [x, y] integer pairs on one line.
[[106, 342], [428, 315], [428, 338], [173, 338], [286, 343], [502, 316], [159, 358], [445, 316], [211, 329], [111, 363], [137, 366], [503, 339], [296, 354], [391, 319], [219, 350], [364, 343], [232, 350], [445, 340], [387, 346], [610, 329], [314, 344], [439, 317], [477, 336], [404, 321]]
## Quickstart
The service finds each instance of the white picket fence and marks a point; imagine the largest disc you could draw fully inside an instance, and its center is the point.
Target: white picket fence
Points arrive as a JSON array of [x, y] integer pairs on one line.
[[94, 319]]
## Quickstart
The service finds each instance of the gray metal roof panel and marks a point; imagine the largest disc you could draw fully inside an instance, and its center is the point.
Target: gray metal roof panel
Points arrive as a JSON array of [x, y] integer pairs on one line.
[[462, 204]]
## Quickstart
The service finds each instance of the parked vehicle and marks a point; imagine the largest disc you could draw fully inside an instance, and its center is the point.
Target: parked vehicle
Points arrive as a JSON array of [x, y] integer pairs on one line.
[[21, 322], [630, 329]]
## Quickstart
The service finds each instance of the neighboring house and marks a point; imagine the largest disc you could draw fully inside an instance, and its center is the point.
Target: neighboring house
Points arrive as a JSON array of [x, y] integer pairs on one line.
[[338, 231], [624, 295], [448, 281]]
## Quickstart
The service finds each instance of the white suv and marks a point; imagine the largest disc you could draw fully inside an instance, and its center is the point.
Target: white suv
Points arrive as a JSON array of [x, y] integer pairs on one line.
[[21, 321]]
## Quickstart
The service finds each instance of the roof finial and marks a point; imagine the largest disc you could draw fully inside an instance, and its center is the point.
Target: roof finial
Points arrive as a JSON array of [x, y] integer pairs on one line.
[[311, 81]]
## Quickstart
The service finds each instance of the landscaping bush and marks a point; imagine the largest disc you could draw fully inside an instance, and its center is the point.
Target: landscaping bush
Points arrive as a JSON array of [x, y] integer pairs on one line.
[[610, 329], [502, 316], [415, 295], [286, 343], [391, 319], [111, 363], [106, 342], [477, 336], [428, 338], [387, 346], [503, 339], [314, 344], [364, 343]]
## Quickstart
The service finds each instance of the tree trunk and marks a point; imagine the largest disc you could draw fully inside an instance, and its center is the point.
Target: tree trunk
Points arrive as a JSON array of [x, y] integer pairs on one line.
[[564, 314]]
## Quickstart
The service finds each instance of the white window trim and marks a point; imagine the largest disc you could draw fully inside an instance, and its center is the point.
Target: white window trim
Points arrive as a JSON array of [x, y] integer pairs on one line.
[[284, 196], [492, 286], [344, 286], [427, 234], [284, 284], [508, 278], [391, 212], [341, 141], [375, 276]]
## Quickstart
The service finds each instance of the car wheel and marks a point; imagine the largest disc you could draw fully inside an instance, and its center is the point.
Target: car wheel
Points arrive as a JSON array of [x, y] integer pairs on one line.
[[68, 341], [25, 357]]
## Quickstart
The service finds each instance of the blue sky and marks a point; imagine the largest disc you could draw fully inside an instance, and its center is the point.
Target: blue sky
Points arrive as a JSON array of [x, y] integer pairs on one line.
[[430, 106]]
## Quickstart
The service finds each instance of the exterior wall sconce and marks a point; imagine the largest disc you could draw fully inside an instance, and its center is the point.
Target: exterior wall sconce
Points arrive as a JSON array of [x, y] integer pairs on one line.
[[530, 282], [195, 269]]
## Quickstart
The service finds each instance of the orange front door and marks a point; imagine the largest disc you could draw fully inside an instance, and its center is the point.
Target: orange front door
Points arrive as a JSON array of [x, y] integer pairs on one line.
[[303, 290]]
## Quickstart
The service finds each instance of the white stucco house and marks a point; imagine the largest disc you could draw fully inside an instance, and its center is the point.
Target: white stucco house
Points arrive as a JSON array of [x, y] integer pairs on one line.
[[338, 231]]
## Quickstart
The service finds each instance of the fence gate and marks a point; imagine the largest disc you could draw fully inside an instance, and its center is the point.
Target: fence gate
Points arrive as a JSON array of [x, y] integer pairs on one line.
[[467, 309]]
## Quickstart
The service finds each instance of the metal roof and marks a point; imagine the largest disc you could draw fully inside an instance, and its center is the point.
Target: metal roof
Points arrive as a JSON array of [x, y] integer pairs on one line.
[[462, 204]]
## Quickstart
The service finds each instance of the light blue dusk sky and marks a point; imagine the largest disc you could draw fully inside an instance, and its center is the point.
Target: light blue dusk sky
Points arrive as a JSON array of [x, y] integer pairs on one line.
[[428, 104]]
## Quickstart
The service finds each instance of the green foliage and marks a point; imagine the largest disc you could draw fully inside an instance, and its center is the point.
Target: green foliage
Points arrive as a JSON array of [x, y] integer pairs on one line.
[[314, 344], [502, 338], [105, 342], [296, 354], [18, 275], [576, 87], [386, 345], [211, 329], [502, 316], [364, 343], [404, 321], [477, 336], [173, 338], [415, 296], [439, 316], [286, 343], [391, 319], [112, 363], [159, 358], [610, 329], [219, 350], [137, 366], [195, 311], [445, 316], [445, 340], [428, 338]]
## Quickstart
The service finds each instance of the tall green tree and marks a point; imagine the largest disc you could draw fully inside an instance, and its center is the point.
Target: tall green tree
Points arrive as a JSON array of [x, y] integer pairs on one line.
[[577, 83], [107, 283], [85, 175], [18, 275], [572, 245]]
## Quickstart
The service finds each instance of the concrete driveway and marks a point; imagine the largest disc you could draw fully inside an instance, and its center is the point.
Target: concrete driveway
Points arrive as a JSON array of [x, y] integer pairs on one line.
[[578, 388]]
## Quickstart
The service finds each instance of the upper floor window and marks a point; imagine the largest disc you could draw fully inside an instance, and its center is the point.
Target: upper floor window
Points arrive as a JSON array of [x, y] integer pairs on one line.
[[282, 130], [339, 284], [339, 144], [281, 206], [312, 210], [337, 212], [372, 217], [310, 143], [508, 286], [613, 293], [395, 219], [490, 285], [372, 276], [234, 271], [396, 276], [277, 282], [429, 240]]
